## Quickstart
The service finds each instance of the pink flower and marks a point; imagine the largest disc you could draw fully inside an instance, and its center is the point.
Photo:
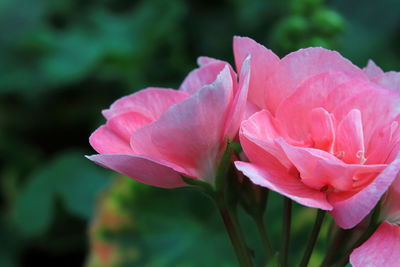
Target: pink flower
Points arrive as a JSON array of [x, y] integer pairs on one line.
[[329, 135], [157, 134], [383, 247]]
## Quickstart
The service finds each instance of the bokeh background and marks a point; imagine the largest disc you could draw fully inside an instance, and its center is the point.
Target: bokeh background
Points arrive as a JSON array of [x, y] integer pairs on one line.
[[63, 61]]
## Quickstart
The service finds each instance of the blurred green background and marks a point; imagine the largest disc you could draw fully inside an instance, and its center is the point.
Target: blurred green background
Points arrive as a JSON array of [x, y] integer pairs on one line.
[[62, 61]]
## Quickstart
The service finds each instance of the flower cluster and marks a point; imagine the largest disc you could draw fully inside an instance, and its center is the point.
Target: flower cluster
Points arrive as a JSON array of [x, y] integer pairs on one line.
[[313, 127]]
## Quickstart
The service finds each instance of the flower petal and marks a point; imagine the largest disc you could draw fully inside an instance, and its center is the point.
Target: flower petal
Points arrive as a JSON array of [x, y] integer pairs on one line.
[[389, 80], [104, 140], [205, 75], [312, 93], [238, 107], [125, 124], [140, 169], [350, 138], [322, 126], [350, 210], [150, 102], [257, 136], [372, 70], [285, 184], [381, 249], [190, 133], [263, 63], [300, 66]]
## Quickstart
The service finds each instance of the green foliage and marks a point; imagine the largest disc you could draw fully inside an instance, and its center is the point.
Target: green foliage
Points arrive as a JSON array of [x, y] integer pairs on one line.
[[63, 61], [309, 23], [34, 208]]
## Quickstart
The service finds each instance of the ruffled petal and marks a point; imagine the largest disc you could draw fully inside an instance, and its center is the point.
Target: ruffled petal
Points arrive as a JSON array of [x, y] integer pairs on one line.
[[125, 124], [372, 70], [350, 138], [263, 63], [381, 249], [350, 208], [238, 107], [150, 102], [300, 66], [206, 75], [190, 133], [104, 140], [312, 93], [389, 80], [140, 169], [285, 184]]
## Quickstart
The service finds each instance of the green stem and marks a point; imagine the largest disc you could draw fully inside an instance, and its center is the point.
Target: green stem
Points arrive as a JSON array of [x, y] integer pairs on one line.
[[268, 250], [287, 218], [313, 238], [232, 226], [337, 242], [373, 225]]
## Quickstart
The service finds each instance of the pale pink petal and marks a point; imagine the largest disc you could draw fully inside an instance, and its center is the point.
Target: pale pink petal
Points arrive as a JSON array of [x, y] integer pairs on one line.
[[260, 131], [350, 210], [205, 75], [341, 176], [285, 184], [140, 169], [250, 110], [300, 66], [381, 249], [305, 161], [238, 106], [350, 138], [370, 103], [322, 126], [389, 80], [382, 143], [372, 70], [125, 124], [201, 61], [264, 153], [263, 63], [104, 140], [150, 102], [190, 133], [312, 93]]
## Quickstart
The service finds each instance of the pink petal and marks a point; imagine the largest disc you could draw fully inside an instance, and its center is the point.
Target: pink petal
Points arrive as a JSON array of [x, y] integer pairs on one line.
[[350, 138], [250, 110], [190, 133], [259, 132], [305, 161], [104, 140], [263, 63], [378, 107], [238, 107], [382, 143], [372, 70], [150, 102], [381, 249], [341, 176], [285, 184], [201, 61], [350, 210], [140, 169], [205, 75], [125, 124], [312, 93], [389, 80], [300, 66], [322, 126]]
